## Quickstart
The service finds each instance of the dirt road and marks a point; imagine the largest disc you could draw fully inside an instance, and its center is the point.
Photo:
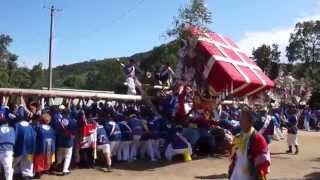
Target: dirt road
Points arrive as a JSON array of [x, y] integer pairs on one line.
[[306, 165]]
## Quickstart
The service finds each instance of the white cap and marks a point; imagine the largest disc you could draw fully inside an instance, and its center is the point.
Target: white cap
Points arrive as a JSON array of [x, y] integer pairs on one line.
[[62, 107]]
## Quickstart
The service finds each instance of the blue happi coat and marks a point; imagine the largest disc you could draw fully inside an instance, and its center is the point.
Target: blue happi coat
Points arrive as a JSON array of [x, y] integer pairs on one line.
[[126, 132], [136, 125], [102, 136], [177, 140], [45, 139], [66, 128], [7, 138], [156, 126], [25, 139], [113, 131]]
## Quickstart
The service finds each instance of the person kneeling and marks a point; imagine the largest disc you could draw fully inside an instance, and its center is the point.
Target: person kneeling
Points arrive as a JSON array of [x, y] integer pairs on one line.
[[178, 145]]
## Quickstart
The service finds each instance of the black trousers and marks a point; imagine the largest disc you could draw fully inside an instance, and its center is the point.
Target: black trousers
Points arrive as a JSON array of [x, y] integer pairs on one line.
[[87, 157]]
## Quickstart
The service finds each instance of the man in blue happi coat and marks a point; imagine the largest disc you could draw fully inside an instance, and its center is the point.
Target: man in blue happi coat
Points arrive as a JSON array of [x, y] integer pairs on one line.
[[25, 143], [7, 141], [66, 128]]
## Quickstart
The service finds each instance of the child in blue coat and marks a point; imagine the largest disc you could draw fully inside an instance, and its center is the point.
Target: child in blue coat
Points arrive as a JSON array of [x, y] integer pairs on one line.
[[45, 145]]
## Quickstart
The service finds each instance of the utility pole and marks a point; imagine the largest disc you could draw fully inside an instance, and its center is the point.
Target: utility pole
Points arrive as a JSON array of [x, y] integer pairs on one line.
[[52, 11]]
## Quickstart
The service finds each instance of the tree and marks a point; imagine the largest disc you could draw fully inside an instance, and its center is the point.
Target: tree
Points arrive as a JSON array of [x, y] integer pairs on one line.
[[159, 56], [268, 58], [10, 74], [5, 54], [20, 78], [304, 48], [4, 78], [37, 76], [262, 55], [74, 81], [195, 14], [304, 43], [91, 81]]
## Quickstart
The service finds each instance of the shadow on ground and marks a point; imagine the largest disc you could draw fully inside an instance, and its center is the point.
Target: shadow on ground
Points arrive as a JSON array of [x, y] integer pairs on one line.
[[313, 176], [316, 159], [278, 153], [141, 165], [280, 157], [216, 176], [146, 165]]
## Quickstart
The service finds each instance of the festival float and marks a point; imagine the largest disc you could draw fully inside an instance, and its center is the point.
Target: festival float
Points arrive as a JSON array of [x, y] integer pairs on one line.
[[216, 69], [290, 91]]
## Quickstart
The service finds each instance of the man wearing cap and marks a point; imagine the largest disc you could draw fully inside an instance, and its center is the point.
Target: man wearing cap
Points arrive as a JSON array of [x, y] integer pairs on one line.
[[66, 129], [250, 156], [7, 141]]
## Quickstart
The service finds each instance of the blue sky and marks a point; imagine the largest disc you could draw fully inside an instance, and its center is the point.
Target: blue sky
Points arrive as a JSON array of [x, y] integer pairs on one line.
[[98, 29]]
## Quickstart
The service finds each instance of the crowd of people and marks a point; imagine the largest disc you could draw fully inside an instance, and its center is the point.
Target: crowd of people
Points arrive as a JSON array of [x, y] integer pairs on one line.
[[37, 137]]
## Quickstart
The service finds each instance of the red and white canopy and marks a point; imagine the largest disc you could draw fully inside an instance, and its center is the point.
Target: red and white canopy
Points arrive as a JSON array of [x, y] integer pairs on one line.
[[227, 68]]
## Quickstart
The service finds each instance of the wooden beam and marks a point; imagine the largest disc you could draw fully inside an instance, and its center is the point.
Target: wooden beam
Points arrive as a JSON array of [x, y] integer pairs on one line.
[[78, 90], [68, 94]]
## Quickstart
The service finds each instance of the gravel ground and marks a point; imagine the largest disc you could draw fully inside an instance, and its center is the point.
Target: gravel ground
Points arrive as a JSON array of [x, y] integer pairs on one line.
[[306, 165]]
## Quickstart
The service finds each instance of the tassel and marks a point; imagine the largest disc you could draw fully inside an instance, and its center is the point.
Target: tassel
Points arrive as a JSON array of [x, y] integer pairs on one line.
[[231, 87], [227, 91], [42, 103]]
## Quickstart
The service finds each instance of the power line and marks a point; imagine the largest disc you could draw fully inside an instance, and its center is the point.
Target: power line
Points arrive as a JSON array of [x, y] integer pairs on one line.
[[115, 20], [124, 14]]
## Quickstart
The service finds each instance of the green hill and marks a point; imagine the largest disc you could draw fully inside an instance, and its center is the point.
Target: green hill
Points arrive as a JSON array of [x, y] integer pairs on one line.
[[106, 74]]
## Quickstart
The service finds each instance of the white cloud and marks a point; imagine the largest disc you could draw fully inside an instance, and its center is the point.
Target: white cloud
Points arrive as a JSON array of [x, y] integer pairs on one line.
[[315, 16], [255, 39], [279, 35]]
